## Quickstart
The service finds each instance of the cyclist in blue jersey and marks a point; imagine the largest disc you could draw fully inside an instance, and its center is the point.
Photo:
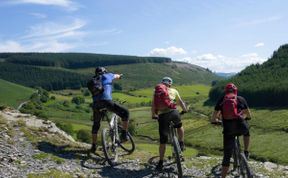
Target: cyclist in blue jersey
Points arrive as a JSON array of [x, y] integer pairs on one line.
[[104, 100]]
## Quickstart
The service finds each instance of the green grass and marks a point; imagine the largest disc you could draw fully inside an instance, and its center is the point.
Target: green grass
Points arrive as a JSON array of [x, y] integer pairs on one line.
[[145, 151], [149, 74], [51, 173], [268, 134], [12, 94]]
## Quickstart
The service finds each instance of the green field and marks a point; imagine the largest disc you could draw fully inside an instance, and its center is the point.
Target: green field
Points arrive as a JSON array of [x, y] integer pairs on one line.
[[12, 94]]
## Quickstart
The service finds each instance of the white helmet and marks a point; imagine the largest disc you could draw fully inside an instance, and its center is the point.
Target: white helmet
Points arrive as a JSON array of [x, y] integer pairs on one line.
[[167, 80]]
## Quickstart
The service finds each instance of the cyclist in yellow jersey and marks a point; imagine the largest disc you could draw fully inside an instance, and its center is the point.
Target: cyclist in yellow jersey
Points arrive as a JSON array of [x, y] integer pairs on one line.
[[164, 116]]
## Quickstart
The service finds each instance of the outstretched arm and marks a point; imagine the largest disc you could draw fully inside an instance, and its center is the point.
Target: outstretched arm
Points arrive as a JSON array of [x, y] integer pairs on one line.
[[118, 76]]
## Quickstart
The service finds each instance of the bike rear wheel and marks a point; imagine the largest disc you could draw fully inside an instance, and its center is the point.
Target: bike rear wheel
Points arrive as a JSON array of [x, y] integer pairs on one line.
[[109, 146], [244, 168], [177, 155], [129, 145]]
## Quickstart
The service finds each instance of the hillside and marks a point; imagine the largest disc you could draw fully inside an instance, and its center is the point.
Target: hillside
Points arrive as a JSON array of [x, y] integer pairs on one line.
[[149, 74], [32, 148], [76, 60], [56, 71], [12, 94], [262, 85]]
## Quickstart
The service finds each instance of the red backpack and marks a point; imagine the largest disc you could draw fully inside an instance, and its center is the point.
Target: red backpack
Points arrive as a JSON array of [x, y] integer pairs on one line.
[[161, 98], [230, 110]]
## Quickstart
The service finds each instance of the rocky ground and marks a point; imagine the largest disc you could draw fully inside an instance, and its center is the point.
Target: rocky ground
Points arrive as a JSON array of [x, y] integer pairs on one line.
[[30, 147]]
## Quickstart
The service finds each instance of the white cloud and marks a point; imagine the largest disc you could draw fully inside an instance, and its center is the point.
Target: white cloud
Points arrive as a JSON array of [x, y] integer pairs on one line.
[[48, 37], [170, 51], [38, 15], [58, 30], [67, 4], [11, 46], [259, 45], [47, 46], [221, 63]]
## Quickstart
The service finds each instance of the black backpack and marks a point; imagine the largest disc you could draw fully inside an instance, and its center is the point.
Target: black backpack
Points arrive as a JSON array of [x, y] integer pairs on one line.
[[95, 86]]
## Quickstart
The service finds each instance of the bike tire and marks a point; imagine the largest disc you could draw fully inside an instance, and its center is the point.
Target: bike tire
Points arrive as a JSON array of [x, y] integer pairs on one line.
[[235, 161], [109, 148], [177, 152], [129, 145], [244, 167]]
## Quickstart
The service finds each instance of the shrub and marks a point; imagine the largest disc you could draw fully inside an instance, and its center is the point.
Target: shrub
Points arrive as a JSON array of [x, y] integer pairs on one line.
[[67, 127], [84, 136], [78, 100]]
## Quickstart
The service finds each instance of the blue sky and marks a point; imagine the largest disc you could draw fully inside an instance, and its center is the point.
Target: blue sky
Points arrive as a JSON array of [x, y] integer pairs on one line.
[[222, 35]]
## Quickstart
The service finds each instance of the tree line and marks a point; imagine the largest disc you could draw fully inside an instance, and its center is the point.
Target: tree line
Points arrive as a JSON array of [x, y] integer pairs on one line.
[[263, 85], [47, 78], [76, 60]]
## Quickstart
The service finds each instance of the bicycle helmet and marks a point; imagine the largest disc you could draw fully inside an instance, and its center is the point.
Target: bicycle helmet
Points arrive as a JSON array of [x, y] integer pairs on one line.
[[100, 70], [167, 80], [231, 88]]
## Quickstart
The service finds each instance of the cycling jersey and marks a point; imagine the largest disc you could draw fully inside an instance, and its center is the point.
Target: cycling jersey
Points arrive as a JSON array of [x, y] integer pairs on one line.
[[173, 96], [107, 79]]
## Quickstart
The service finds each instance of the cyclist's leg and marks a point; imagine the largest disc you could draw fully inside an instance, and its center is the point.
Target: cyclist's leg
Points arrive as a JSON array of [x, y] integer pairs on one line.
[[180, 129], [246, 138], [228, 144], [120, 111], [163, 134], [97, 115]]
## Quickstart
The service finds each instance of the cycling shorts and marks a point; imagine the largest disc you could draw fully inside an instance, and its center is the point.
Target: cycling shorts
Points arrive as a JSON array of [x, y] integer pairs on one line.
[[164, 120]]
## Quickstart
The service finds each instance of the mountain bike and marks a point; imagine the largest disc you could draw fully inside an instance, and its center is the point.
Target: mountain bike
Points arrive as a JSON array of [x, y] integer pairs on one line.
[[240, 163], [176, 150], [111, 140]]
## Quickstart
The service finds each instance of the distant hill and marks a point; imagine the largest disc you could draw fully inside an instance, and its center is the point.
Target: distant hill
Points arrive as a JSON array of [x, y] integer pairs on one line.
[[226, 75], [12, 94], [76, 60], [262, 85], [56, 71]]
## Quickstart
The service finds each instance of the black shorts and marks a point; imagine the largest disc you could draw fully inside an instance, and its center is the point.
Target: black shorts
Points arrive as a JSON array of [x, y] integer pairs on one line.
[[164, 120], [235, 127], [110, 106]]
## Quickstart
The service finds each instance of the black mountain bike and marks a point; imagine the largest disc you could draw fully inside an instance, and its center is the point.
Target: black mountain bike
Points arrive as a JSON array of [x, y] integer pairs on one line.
[[240, 163], [111, 140], [176, 151]]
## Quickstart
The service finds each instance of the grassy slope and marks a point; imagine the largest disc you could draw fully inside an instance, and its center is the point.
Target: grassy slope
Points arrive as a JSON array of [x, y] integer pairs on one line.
[[12, 94], [148, 74]]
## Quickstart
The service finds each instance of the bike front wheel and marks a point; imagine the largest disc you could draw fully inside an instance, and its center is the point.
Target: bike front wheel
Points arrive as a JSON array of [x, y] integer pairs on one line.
[[129, 145], [177, 155], [244, 168], [109, 146]]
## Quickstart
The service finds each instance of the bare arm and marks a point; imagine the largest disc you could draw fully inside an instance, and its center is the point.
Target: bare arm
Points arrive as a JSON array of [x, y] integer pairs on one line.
[[153, 109], [215, 116], [117, 76], [182, 104], [246, 113]]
